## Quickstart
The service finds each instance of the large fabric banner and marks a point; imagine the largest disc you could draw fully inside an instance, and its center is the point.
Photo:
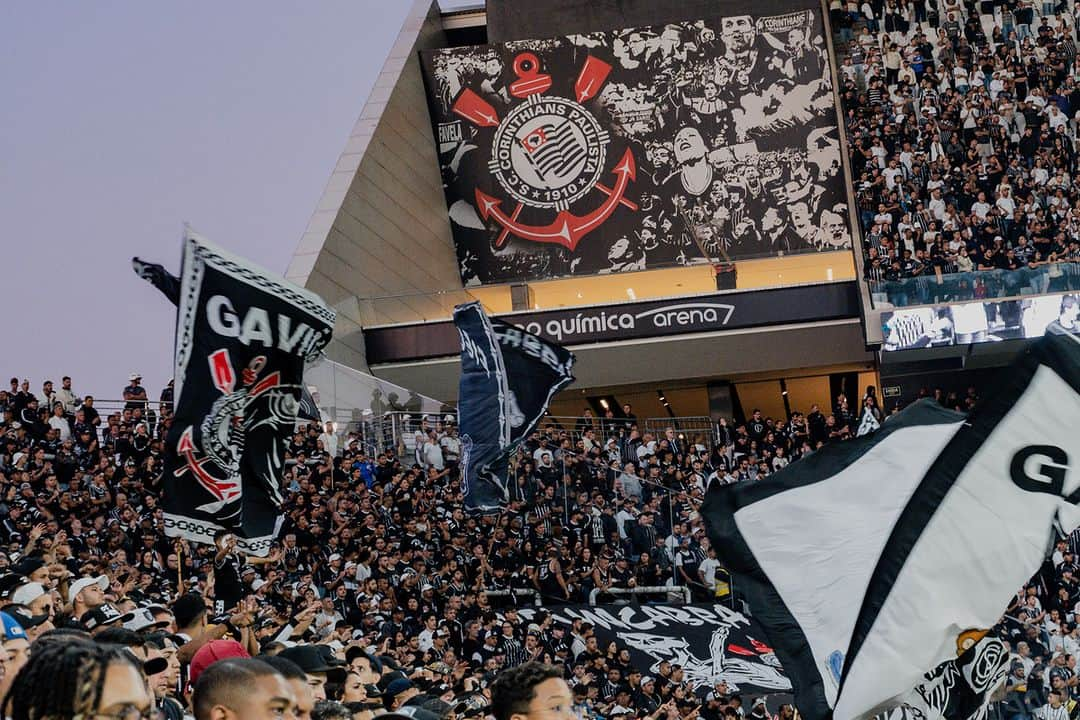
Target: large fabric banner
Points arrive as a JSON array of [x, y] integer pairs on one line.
[[711, 642], [640, 148], [959, 689], [873, 561], [242, 337], [508, 377]]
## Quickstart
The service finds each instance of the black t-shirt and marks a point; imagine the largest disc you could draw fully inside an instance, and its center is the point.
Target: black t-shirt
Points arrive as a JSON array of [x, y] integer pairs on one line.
[[227, 588], [756, 429]]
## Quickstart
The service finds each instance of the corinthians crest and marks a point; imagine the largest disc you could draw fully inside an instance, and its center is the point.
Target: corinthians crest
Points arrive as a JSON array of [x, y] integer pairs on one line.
[[548, 152], [639, 148], [212, 452]]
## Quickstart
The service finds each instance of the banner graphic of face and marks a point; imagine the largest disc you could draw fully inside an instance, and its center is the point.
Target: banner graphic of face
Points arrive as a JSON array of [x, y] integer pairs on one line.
[[639, 148]]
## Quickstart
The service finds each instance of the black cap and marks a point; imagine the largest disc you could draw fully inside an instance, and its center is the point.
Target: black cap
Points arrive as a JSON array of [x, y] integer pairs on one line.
[[9, 583], [315, 659], [104, 615], [28, 565]]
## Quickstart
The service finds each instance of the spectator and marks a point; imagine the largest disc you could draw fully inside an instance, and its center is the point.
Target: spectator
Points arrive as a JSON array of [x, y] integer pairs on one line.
[[238, 689], [78, 679]]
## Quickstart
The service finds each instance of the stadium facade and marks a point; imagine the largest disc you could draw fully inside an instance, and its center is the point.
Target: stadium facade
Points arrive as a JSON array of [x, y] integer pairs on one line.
[[661, 187]]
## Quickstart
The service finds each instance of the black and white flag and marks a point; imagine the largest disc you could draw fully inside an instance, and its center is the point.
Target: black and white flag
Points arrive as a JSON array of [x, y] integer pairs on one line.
[[869, 561], [711, 643], [868, 424], [242, 337], [959, 689], [508, 377]]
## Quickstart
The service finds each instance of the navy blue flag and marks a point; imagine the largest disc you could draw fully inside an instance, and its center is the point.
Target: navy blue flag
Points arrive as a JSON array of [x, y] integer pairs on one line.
[[508, 377]]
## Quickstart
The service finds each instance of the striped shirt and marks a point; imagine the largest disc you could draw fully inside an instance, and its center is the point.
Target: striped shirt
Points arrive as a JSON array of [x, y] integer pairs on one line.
[[1046, 712], [514, 651]]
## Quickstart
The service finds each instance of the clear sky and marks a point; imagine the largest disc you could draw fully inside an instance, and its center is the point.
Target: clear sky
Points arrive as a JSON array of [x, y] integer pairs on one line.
[[121, 119]]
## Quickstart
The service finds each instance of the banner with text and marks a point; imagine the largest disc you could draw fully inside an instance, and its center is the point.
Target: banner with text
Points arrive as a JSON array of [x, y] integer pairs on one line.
[[639, 148], [711, 642], [242, 336]]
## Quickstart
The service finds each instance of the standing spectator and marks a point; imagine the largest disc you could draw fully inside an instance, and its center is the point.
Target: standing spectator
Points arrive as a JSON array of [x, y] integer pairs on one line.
[[134, 394], [67, 397]]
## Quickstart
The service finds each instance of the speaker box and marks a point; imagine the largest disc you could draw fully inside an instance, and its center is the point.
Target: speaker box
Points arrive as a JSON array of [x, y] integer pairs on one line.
[[725, 276]]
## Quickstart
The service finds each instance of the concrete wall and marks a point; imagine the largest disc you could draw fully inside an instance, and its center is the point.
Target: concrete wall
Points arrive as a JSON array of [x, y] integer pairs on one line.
[[380, 228]]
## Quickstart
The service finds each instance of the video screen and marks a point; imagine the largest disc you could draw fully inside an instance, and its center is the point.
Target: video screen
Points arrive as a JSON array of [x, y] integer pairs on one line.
[[978, 322]]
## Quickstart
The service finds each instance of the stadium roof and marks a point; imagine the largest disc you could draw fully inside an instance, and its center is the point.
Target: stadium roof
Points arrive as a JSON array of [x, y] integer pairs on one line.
[[380, 228]]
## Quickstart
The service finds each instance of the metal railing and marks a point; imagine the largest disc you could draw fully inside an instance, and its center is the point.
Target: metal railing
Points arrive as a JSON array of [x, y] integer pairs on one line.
[[687, 429], [648, 590], [515, 593]]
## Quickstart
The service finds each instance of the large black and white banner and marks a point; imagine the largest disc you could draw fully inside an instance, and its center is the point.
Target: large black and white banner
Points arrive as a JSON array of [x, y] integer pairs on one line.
[[711, 642], [508, 377], [959, 689], [639, 148], [242, 337], [871, 562]]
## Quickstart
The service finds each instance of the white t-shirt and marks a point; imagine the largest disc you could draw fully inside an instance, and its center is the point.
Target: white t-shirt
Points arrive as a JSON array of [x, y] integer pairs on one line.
[[433, 456], [708, 568], [981, 209], [62, 425]]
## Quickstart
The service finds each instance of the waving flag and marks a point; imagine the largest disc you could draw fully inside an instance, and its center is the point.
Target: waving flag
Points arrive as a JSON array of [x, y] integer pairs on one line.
[[959, 689], [870, 561], [508, 377], [242, 336]]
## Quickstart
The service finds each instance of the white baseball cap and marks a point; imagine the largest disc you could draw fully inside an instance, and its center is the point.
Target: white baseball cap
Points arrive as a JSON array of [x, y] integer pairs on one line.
[[140, 619], [27, 593], [82, 583]]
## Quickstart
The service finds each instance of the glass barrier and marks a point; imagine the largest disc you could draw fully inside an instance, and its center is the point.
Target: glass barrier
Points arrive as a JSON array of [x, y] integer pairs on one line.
[[978, 322], [695, 279], [980, 285]]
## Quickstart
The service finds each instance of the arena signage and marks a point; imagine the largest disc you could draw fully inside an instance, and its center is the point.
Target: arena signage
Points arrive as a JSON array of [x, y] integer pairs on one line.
[[629, 321], [639, 148], [682, 317]]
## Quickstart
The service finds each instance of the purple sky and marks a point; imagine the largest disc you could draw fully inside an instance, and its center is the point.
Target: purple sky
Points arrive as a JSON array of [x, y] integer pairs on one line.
[[123, 119]]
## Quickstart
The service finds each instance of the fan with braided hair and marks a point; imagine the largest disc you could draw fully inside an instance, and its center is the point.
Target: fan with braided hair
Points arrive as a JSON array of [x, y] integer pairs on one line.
[[75, 680]]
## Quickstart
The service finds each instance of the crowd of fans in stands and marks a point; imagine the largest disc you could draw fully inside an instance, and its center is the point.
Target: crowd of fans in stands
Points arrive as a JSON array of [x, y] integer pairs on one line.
[[962, 119], [378, 568]]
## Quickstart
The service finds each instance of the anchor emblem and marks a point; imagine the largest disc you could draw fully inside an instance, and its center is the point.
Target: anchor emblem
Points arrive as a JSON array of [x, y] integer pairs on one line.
[[549, 152]]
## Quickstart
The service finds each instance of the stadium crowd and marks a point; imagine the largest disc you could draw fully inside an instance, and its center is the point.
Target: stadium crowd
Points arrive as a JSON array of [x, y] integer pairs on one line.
[[375, 592], [374, 600], [962, 119]]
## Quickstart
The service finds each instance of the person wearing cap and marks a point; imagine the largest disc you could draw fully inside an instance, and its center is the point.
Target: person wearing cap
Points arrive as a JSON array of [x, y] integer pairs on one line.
[[34, 625], [15, 647], [134, 393], [366, 666], [319, 665], [86, 594], [97, 620], [36, 598], [212, 652], [164, 683], [646, 698], [398, 692]]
